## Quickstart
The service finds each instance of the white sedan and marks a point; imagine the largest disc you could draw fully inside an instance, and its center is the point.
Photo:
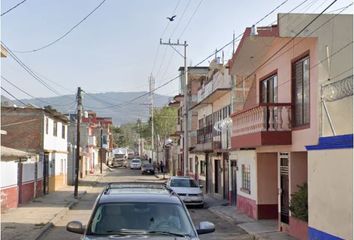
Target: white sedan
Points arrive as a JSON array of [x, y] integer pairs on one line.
[[135, 164], [188, 190]]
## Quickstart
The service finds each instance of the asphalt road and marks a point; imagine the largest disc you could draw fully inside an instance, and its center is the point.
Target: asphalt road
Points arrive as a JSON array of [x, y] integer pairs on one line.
[[82, 210]]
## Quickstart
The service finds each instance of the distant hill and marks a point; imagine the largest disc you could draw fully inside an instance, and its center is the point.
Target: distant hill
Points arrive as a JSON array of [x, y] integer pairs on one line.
[[101, 103]]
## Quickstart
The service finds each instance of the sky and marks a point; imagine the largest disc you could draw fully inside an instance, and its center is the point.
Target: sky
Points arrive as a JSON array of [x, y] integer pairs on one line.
[[117, 47]]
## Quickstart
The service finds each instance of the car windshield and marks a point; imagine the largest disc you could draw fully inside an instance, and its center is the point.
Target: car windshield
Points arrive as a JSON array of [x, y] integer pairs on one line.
[[183, 183], [141, 218], [147, 166], [135, 161]]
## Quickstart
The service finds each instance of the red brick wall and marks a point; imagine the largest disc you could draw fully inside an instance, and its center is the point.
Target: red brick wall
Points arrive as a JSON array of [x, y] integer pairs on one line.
[[26, 135], [9, 198], [27, 192]]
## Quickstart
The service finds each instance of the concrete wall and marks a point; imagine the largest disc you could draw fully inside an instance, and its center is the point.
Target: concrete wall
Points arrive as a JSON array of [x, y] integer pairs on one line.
[[282, 64], [334, 36], [267, 178], [330, 184], [52, 142], [8, 171], [297, 171], [221, 102]]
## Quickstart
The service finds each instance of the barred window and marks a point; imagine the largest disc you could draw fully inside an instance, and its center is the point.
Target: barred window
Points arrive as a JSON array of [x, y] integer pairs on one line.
[[246, 178], [55, 128]]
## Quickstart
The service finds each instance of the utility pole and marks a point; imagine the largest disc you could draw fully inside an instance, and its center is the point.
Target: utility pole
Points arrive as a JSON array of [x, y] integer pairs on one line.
[[78, 117], [152, 86], [101, 150], [185, 100]]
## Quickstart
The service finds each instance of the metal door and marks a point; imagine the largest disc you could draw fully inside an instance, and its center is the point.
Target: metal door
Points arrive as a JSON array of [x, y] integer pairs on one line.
[[46, 174], [284, 187]]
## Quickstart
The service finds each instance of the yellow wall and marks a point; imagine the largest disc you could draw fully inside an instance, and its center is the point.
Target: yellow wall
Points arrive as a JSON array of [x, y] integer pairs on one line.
[[330, 183], [56, 182]]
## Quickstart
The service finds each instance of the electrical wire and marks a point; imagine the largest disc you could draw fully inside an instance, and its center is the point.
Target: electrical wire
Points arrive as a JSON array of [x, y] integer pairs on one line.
[[65, 34], [29, 70], [12, 96], [190, 19], [12, 8]]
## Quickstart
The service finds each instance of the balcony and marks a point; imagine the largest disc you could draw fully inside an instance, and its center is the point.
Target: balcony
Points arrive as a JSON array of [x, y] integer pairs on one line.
[[205, 139], [217, 87], [266, 124]]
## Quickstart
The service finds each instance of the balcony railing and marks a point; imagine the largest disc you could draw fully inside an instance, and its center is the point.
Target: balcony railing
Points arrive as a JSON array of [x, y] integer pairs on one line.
[[205, 134], [219, 81], [263, 118]]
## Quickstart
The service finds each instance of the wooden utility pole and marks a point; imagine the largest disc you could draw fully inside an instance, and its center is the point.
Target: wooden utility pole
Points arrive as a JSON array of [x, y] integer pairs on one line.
[[152, 87], [185, 101], [77, 164], [101, 150]]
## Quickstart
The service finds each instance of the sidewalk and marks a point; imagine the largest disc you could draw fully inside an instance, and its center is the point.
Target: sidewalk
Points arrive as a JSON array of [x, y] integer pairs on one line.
[[260, 229], [32, 220]]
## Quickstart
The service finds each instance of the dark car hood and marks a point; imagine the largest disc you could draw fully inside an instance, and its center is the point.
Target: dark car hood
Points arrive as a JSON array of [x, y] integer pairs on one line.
[[138, 237]]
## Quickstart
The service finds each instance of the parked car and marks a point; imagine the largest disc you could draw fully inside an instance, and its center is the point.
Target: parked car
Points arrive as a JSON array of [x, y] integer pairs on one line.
[[147, 168], [135, 164], [139, 211], [188, 190]]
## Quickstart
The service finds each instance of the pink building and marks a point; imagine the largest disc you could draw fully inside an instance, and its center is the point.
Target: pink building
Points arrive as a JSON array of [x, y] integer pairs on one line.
[[279, 72]]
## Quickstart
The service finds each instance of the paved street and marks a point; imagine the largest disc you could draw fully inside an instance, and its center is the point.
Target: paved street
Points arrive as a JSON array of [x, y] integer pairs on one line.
[[81, 211]]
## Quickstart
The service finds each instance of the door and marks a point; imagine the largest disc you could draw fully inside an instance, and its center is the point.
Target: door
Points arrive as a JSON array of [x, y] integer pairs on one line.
[[269, 94], [234, 182], [46, 174], [19, 181], [284, 187], [217, 175]]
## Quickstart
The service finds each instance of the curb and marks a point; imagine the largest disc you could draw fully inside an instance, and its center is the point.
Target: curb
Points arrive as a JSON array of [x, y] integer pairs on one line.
[[52, 222]]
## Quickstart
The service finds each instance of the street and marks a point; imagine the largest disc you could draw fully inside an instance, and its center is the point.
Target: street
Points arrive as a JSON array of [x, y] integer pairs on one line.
[[82, 210]]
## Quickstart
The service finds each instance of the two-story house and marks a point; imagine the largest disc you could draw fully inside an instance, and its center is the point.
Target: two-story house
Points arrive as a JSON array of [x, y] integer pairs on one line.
[[42, 131], [289, 109], [213, 107]]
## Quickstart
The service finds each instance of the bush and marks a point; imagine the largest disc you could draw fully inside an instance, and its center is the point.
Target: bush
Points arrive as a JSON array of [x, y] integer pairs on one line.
[[299, 203]]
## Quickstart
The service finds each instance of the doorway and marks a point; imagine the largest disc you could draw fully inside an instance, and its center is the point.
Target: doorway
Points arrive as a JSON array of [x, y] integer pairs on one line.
[[46, 174], [217, 175], [234, 182], [284, 187]]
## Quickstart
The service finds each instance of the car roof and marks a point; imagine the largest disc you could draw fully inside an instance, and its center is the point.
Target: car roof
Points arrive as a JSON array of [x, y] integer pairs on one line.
[[181, 177], [137, 192]]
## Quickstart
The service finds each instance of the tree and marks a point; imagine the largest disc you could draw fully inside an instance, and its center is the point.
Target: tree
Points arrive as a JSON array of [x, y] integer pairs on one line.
[[165, 120], [299, 203]]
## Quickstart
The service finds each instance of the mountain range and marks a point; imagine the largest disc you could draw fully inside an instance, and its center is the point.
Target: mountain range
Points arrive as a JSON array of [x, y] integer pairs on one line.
[[118, 105]]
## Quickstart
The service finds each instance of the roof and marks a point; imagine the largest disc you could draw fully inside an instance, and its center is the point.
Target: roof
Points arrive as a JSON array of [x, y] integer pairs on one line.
[[12, 154], [46, 110], [138, 192]]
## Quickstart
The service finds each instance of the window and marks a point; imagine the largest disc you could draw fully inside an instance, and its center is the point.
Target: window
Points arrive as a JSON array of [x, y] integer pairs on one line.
[[246, 178], [63, 131], [301, 92], [269, 90], [202, 167], [46, 125], [55, 128]]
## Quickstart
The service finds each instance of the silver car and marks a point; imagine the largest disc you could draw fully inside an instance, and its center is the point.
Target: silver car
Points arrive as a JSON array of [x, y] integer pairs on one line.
[[187, 189], [135, 164]]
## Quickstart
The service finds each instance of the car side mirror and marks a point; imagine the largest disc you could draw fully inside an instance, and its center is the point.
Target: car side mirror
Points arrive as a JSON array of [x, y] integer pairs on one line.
[[205, 227], [201, 186], [75, 227]]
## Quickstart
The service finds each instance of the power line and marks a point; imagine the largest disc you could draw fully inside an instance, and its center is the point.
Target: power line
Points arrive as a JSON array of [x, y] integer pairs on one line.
[[288, 42], [12, 96], [9, 10], [28, 70], [65, 34], [31, 96], [190, 19]]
